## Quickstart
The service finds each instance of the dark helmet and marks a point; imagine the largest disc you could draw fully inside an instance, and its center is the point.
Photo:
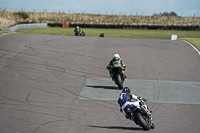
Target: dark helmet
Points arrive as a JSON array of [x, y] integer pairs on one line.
[[126, 90]]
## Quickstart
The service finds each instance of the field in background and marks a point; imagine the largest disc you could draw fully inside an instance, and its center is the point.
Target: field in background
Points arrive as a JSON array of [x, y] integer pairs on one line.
[[10, 18]]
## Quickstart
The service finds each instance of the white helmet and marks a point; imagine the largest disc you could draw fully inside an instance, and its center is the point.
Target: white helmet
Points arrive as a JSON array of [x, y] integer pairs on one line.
[[116, 56], [77, 27]]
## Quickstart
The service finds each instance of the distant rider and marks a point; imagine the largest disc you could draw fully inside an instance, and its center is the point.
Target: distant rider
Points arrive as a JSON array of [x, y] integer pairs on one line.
[[116, 59], [124, 100], [77, 31]]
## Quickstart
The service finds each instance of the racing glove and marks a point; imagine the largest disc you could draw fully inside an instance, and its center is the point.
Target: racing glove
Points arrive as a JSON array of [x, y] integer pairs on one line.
[[139, 98]]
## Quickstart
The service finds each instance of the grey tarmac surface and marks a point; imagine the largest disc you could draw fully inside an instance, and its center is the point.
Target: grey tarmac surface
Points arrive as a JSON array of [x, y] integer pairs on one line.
[[43, 77], [153, 90]]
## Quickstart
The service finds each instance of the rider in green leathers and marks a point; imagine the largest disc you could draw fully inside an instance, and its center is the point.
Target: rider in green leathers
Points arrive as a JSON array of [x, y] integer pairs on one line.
[[116, 59], [77, 31]]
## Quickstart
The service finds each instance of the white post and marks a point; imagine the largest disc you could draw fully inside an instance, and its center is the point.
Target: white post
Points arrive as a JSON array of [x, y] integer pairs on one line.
[[174, 37]]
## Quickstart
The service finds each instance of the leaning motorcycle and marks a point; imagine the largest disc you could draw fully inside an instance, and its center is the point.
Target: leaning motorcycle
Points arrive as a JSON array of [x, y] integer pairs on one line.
[[118, 76], [141, 115], [79, 33]]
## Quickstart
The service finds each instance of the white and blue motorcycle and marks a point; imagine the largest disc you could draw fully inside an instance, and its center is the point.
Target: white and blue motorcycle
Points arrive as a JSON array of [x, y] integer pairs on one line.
[[141, 114]]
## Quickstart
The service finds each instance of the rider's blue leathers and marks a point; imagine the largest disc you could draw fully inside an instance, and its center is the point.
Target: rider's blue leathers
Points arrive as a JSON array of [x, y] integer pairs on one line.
[[125, 104]]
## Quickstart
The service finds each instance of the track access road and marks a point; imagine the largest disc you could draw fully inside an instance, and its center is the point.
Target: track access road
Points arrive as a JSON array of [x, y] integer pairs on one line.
[[44, 82]]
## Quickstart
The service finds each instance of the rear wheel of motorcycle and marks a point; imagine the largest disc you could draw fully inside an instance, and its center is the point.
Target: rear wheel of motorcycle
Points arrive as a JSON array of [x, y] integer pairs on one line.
[[119, 81], [145, 125]]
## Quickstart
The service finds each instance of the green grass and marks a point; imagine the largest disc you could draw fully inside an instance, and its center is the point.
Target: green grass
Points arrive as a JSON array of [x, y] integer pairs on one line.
[[115, 33], [4, 32]]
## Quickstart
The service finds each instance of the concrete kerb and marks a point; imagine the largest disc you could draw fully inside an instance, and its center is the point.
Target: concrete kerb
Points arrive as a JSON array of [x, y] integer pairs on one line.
[[24, 26]]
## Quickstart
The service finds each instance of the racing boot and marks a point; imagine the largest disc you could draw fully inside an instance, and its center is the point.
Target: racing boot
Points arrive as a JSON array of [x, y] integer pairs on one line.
[[112, 76], [124, 75], [127, 117], [152, 125]]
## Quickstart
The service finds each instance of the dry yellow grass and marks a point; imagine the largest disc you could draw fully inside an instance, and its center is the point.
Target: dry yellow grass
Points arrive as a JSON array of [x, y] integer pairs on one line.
[[8, 18], [6, 22]]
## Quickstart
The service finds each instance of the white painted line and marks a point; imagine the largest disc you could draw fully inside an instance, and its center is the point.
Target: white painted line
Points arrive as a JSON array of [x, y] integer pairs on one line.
[[193, 47]]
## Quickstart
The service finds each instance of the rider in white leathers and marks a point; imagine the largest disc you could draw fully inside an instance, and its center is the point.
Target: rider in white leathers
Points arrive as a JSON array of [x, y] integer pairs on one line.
[[126, 106], [125, 101]]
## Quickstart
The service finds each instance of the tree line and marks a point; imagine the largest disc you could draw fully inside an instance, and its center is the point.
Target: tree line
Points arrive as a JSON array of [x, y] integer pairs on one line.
[[165, 14]]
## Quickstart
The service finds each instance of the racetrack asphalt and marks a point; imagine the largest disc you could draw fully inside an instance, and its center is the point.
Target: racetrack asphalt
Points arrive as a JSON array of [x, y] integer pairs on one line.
[[42, 76]]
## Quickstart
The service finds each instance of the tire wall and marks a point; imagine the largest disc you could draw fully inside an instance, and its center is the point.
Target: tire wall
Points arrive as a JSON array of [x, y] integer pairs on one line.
[[150, 27]]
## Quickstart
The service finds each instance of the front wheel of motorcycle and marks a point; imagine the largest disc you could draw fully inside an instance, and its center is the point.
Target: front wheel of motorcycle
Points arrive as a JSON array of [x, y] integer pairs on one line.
[[144, 123], [118, 81]]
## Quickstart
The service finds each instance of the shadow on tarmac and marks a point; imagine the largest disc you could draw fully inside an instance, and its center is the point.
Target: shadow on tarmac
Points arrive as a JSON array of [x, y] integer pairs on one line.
[[118, 127], [103, 87]]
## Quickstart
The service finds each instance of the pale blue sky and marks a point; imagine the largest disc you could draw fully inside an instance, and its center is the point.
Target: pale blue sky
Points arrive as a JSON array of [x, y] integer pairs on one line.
[[146, 7]]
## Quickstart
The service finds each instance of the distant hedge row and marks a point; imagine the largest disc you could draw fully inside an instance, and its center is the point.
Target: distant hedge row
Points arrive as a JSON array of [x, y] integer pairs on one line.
[[165, 14], [22, 14]]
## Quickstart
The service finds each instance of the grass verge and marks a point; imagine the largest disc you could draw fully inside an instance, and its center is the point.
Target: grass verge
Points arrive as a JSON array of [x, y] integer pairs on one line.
[[193, 41], [115, 33], [4, 32]]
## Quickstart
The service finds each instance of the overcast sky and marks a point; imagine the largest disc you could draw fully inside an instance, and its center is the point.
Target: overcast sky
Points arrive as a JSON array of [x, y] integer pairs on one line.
[[128, 7]]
